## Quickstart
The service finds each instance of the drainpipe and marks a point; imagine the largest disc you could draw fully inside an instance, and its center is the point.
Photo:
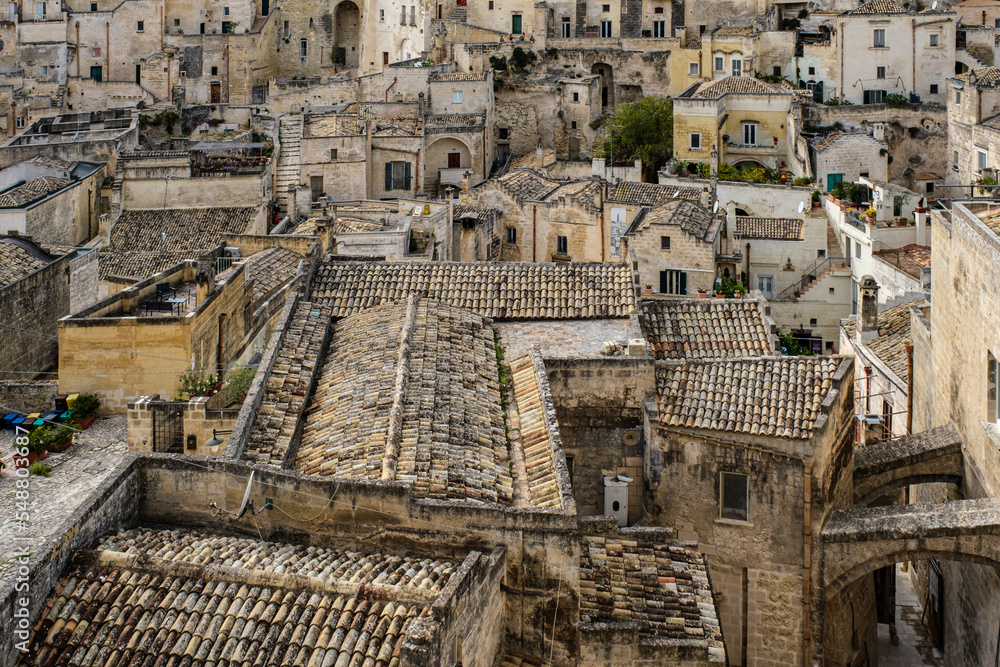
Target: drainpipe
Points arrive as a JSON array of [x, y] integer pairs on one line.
[[908, 346], [534, 230], [913, 56], [807, 547], [160, 12], [418, 188], [394, 80], [78, 49], [842, 92], [748, 266], [107, 51], [602, 236], [227, 69], [219, 365]]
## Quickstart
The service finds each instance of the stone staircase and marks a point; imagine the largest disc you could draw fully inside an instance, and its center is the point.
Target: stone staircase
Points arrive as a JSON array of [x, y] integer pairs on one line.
[[290, 136], [459, 15]]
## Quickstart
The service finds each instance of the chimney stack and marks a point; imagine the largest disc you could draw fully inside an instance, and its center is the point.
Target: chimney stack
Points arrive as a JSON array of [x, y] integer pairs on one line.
[[539, 156], [920, 218], [868, 317]]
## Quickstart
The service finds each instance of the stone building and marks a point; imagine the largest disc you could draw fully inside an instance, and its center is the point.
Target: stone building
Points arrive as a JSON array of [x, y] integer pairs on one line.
[[841, 156], [86, 137], [903, 274], [52, 200], [973, 126]]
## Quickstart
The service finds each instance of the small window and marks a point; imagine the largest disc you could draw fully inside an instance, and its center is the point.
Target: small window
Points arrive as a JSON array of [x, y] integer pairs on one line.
[[225, 11], [879, 72], [140, 26], [576, 97], [694, 141], [177, 22], [934, 89], [737, 67], [958, 97], [992, 388], [812, 71], [20, 121], [664, 243], [93, 6], [734, 496], [45, 69], [333, 154], [285, 30], [692, 69], [215, 70], [97, 53], [776, 71], [659, 29], [996, 23], [720, 63], [934, 39], [658, 10], [812, 322], [981, 160], [456, 97], [829, 344], [820, 253], [381, 16], [504, 133], [570, 465], [562, 245], [833, 290], [606, 29], [857, 249], [565, 27], [397, 175], [605, 8], [572, 125], [929, 188], [303, 48], [878, 40], [749, 134], [512, 235], [954, 160], [491, 4]]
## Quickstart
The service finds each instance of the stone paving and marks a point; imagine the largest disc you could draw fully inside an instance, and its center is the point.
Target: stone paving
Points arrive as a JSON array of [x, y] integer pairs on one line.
[[915, 646], [75, 473]]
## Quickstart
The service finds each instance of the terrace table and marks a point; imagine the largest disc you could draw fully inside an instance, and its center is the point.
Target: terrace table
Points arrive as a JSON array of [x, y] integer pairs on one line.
[[176, 302]]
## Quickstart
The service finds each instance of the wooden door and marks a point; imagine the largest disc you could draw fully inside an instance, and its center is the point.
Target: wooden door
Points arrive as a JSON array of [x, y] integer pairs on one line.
[[454, 160], [216, 92]]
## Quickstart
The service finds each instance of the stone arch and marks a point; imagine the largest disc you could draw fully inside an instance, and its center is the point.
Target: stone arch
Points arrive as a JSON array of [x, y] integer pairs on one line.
[[745, 162], [935, 455], [607, 75], [347, 30], [439, 161], [960, 67]]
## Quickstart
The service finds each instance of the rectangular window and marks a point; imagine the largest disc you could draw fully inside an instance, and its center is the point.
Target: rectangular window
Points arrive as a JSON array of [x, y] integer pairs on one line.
[[333, 154], [879, 72], [40, 9], [694, 141], [664, 243], [511, 235], [177, 22], [812, 71], [934, 89], [45, 70], [93, 6], [505, 133], [954, 160], [456, 97], [605, 8], [980, 160], [886, 418], [673, 281], [879, 38], [515, 24], [385, 57], [381, 16], [749, 134], [996, 23], [734, 496], [766, 285], [659, 29], [491, 4], [565, 27], [873, 96], [572, 124], [397, 175], [402, 17], [285, 30], [303, 48], [576, 97], [20, 122], [606, 29], [692, 69], [958, 97], [720, 63], [97, 53], [820, 253], [413, 15], [140, 26], [737, 68], [658, 10], [929, 188], [934, 39], [992, 389], [225, 11], [562, 245], [857, 249]]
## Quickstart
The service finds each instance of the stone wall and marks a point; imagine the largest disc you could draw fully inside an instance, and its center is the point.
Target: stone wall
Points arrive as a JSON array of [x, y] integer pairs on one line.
[[32, 306], [27, 395], [851, 629], [198, 420], [83, 286]]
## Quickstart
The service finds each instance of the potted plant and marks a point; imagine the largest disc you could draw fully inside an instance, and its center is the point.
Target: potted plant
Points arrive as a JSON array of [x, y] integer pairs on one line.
[[815, 198], [702, 293], [84, 409], [648, 289], [870, 215], [901, 222]]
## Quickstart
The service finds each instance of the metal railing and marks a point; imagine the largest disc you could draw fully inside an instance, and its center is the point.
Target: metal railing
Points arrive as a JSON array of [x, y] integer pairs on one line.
[[811, 274]]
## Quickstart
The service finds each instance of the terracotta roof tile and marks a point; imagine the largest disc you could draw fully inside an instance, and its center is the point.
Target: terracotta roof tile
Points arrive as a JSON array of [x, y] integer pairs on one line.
[[649, 194], [26, 193], [271, 269], [911, 258], [138, 264], [980, 75], [739, 85], [705, 328], [527, 184], [499, 290], [537, 426], [347, 225], [777, 397], [877, 7], [689, 216], [893, 332], [16, 262], [660, 588], [775, 229]]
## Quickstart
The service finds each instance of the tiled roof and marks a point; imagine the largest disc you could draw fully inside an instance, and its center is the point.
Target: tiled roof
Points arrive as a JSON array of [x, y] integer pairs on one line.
[[705, 328], [457, 76], [410, 392], [980, 75], [479, 213], [584, 193], [285, 393], [270, 269], [744, 30], [395, 127], [775, 229], [182, 597], [346, 225], [660, 589], [828, 140], [893, 332], [537, 425], [499, 290], [911, 258], [991, 218], [26, 193], [16, 262], [179, 229], [778, 397], [878, 7], [527, 184], [739, 85], [138, 264], [333, 125], [649, 194], [689, 216]]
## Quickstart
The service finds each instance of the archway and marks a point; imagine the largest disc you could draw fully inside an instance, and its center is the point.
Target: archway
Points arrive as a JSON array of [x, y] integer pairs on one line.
[[346, 31], [607, 75], [960, 67], [448, 159]]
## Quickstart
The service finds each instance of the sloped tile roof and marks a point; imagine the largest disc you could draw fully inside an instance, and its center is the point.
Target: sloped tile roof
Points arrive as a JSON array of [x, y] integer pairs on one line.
[[744, 30], [285, 392], [183, 597], [347, 225], [660, 588], [499, 290], [980, 75], [893, 332], [395, 127], [138, 264], [583, 192], [537, 425], [828, 140], [649, 194], [527, 184], [185, 229], [911, 258], [705, 328], [689, 216], [410, 392], [775, 229], [479, 213], [739, 85], [877, 7], [26, 193], [16, 262], [270, 269], [457, 76], [777, 397]]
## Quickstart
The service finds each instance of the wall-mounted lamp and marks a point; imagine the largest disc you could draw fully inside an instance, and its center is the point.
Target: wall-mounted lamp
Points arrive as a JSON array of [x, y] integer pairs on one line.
[[215, 441]]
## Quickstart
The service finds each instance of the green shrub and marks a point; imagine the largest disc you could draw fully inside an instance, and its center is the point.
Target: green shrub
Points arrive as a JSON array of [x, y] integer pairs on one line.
[[238, 384], [521, 59], [85, 405], [194, 383], [895, 100], [40, 469], [47, 438], [498, 63]]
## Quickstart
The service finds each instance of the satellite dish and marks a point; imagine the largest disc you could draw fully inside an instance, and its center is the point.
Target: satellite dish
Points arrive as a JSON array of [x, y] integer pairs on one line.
[[247, 504], [715, 209], [246, 494], [934, 5], [802, 206]]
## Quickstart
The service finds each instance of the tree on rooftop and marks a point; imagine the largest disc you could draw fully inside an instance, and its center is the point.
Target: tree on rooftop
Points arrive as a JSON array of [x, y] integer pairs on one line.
[[643, 130]]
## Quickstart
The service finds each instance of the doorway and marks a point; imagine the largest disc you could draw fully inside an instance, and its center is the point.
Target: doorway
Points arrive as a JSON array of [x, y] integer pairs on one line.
[[316, 186], [97, 73], [216, 92], [454, 160], [138, 75], [515, 24]]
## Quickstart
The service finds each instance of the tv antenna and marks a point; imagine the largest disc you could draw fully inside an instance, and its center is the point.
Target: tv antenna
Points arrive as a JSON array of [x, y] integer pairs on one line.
[[247, 504]]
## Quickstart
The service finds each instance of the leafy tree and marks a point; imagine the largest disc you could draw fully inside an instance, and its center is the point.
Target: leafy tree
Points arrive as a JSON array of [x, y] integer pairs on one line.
[[643, 130], [521, 59]]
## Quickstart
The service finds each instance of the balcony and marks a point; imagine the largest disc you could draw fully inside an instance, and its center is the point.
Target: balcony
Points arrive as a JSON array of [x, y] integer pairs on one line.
[[452, 176]]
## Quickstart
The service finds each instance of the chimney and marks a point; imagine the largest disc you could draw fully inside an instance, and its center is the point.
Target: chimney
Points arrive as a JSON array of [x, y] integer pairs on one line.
[[539, 156], [714, 177], [920, 217], [868, 317], [464, 197]]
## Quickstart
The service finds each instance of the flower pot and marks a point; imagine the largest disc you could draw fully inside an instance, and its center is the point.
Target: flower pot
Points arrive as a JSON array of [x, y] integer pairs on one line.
[[815, 204], [702, 295], [719, 295], [25, 461], [647, 291], [84, 423]]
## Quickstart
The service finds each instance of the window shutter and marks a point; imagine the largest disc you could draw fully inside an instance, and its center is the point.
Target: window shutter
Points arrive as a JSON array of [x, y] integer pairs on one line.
[[683, 283], [406, 175], [664, 282], [388, 176]]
